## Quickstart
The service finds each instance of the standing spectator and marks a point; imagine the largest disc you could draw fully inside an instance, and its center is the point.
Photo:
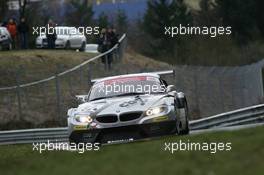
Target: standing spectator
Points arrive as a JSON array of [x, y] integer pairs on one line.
[[51, 34], [112, 41], [109, 46], [12, 28], [113, 37], [103, 45], [23, 30]]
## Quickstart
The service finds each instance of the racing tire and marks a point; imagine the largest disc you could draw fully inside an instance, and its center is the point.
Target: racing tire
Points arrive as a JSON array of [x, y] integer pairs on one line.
[[186, 130], [180, 104]]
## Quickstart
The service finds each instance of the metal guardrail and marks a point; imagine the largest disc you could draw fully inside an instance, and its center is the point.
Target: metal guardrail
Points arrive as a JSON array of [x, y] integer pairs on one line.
[[231, 118], [253, 114]]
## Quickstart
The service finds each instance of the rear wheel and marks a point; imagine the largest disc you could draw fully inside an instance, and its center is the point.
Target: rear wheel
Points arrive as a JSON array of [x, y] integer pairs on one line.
[[68, 45], [82, 49], [10, 46]]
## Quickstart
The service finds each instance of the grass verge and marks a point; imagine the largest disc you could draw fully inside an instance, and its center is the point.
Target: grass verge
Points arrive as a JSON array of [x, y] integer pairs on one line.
[[245, 157], [32, 65]]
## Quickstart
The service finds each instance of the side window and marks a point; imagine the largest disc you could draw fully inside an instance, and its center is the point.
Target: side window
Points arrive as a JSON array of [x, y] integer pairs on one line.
[[72, 31]]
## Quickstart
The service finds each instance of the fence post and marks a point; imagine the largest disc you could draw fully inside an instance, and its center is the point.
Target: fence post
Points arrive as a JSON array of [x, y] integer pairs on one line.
[[70, 84], [58, 95], [106, 62], [89, 76], [43, 90], [196, 92], [81, 77], [18, 92]]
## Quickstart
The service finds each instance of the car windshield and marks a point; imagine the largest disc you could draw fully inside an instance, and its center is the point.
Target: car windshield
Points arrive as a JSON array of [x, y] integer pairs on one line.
[[126, 86]]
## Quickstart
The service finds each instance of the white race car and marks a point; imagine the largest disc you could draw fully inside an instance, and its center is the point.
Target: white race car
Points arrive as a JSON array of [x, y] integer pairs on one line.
[[113, 113]]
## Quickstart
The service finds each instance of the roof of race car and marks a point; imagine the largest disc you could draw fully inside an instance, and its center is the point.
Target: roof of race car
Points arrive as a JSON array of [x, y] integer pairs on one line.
[[127, 76]]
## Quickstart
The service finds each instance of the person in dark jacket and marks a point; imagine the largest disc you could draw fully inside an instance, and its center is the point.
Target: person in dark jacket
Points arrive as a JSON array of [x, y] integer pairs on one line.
[[51, 34], [23, 30], [103, 44], [113, 37], [112, 41]]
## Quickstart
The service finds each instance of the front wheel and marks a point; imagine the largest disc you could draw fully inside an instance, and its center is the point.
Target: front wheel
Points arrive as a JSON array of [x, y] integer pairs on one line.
[[183, 124]]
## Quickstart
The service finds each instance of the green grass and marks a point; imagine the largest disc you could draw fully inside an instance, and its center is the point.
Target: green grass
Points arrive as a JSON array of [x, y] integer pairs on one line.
[[149, 157], [36, 64]]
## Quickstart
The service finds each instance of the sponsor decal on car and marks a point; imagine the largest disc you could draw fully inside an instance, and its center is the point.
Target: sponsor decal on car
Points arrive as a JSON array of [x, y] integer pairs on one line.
[[161, 118], [120, 141], [80, 127]]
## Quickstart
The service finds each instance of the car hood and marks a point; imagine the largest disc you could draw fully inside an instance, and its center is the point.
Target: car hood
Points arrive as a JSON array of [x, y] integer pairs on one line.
[[121, 104]]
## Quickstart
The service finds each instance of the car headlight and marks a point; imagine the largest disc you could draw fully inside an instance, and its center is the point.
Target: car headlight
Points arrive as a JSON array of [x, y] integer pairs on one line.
[[156, 110], [83, 118]]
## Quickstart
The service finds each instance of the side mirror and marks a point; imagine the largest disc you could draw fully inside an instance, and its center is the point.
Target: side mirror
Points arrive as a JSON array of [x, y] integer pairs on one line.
[[82, 98], [170, 88]]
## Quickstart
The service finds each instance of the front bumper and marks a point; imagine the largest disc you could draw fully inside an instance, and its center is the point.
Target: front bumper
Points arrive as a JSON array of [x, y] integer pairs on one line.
[[123, 133], [44, 44]]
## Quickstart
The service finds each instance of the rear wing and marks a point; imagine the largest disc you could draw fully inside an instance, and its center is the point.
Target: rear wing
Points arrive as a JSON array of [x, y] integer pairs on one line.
[[160, 73], [168, 72]]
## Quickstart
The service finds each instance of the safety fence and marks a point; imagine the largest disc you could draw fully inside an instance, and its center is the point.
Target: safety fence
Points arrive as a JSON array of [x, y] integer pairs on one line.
[[209, 90], [45, 102]]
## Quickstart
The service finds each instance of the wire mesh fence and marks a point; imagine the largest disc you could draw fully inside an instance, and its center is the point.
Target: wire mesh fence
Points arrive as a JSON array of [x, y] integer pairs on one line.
[[45, 102], [209, 90], [214, 90]]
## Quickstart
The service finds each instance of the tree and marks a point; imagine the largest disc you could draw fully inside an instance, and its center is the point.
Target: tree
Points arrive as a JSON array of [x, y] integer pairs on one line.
[[207, 14], [260, 16], [161, 14], [103, 20], [81, 14], [240, 15], [22, 7], [3, 9], [121, 21]]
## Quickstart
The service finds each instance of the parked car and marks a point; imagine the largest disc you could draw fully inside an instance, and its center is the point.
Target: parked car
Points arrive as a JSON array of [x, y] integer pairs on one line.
[[5, 39], [67, 38]]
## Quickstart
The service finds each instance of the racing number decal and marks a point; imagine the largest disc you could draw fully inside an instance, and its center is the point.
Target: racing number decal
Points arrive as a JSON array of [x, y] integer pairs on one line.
[[132, 102]]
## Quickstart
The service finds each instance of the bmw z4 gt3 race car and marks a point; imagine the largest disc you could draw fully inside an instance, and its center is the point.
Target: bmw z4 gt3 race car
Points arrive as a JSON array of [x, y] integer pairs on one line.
[[128, 107]]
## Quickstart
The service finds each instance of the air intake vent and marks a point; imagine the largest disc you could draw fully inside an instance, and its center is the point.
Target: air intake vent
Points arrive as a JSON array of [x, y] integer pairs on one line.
[[107, 119], [130, 116]]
